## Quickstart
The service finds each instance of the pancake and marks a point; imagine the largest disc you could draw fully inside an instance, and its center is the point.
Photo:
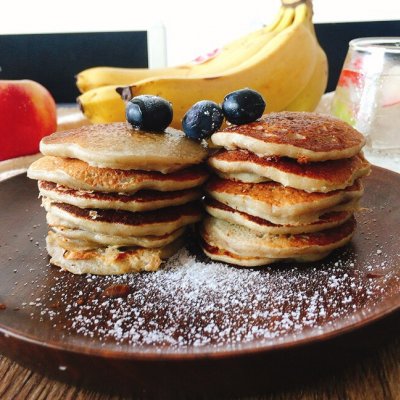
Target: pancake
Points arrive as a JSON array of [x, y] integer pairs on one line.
[[218, 254], [119, 146], [229, 214], [301, 135], [247, 243], [144, 200], [90, 240], [279, 204], [323, 176], [77, 174], [242, 177], [124, 223], [109, 260]]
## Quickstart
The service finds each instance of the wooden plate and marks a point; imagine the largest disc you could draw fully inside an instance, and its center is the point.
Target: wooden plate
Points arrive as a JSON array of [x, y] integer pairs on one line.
[[195, 325]]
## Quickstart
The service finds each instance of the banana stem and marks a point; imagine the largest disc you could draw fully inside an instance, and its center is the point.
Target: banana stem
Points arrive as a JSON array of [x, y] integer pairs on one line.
[[295, 3]]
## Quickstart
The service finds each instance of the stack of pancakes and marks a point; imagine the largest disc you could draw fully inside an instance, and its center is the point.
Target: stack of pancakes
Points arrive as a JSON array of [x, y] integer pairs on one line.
[[117, 199], [286, 189]]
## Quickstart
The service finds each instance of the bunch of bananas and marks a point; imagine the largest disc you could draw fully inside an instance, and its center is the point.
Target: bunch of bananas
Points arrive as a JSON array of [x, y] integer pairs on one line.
[[283, 61]]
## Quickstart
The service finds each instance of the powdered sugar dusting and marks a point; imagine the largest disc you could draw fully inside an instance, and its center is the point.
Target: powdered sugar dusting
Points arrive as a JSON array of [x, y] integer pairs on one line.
[[193, 303]]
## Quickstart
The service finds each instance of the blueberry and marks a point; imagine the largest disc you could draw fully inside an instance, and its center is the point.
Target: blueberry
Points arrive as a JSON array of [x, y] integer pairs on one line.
[[149, 112], [202, 119], [243, 106]]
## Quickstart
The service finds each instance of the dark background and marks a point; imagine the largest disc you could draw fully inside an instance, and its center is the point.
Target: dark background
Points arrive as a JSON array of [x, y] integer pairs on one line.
[[55, 59]]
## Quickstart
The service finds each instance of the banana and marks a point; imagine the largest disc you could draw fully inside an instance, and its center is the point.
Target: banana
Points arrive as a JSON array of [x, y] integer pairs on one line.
[[230, 56], [102, 105], [309, 97], [279, 71]]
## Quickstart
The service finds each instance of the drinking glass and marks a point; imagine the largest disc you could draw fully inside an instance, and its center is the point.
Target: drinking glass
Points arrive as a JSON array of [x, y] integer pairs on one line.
[[367, 95]]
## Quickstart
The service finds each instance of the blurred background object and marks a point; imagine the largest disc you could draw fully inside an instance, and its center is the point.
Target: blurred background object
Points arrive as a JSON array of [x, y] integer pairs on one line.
[[54, 59], [27, 114], [368, 94], [76, 35]]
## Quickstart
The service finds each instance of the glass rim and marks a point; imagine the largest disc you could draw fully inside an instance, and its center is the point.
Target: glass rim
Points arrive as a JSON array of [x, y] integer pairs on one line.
[[390, 44]]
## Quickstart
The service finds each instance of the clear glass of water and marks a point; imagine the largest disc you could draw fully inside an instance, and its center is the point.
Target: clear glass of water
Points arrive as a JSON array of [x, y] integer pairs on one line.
[[367, 95]]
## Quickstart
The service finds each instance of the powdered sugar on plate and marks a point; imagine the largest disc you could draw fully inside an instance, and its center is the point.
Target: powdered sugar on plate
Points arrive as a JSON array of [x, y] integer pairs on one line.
[[194, 303]]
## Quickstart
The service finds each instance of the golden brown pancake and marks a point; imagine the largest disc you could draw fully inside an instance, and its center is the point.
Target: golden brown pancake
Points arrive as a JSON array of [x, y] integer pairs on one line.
[[108, 260], [229, 214], [218, 254], [124, 223], [143, 200], [118, 145], [77, 174], [247, 243], [322, 176], [301, 135], [279, 204], [91, 240], [242, 177]]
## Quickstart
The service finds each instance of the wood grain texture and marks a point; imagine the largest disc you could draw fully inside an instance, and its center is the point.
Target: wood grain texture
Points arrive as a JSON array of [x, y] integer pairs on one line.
[[374, 378], [363, 363]]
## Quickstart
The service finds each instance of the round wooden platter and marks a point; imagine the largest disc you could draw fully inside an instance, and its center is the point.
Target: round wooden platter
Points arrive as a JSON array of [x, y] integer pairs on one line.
[[197, 326]]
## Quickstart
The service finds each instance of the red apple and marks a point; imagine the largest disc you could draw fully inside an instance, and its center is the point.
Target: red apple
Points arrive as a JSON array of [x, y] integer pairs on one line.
[[27, 113]]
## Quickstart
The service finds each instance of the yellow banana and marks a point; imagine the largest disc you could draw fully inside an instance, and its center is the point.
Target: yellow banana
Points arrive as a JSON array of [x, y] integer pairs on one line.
[[102, 105], [279, 72], [230, 56], [309, 97]]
